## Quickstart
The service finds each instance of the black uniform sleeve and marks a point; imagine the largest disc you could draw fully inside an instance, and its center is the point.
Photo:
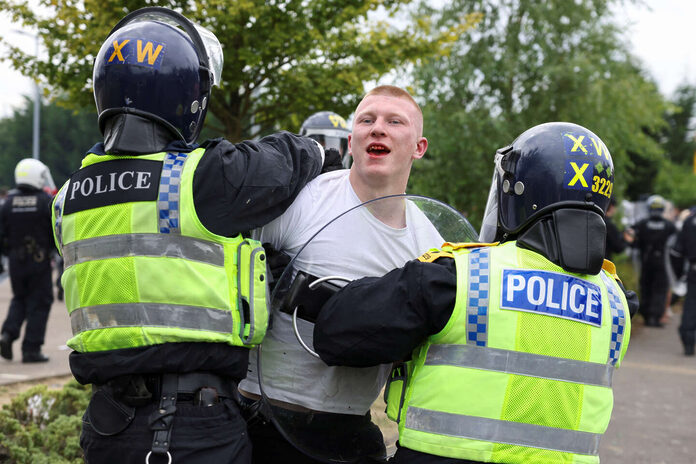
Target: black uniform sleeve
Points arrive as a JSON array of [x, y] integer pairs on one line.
[[239, 187], [380, 320]]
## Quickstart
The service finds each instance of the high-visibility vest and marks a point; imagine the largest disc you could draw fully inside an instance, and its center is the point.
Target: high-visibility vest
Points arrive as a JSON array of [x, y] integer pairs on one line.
[[522, 371], [141, 269]]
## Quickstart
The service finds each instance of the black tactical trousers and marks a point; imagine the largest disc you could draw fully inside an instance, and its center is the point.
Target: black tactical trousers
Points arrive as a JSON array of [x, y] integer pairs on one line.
[[32, 296], [687, 329], [654, 286], [200, 435]]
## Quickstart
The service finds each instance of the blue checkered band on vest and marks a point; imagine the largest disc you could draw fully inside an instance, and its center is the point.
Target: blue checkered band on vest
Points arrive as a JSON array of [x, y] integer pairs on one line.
[[58, 206], [477, 305], [618, 319], [169, 193]]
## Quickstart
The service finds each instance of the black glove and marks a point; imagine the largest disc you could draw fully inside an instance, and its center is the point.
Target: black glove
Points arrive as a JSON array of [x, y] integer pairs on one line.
[[631, 299], [277, 262], [2, 266], [332, 160]]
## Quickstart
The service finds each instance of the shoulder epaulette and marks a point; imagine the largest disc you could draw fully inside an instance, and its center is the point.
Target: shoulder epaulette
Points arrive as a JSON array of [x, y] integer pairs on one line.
[[610, 268], [432, 255], [463, 245]]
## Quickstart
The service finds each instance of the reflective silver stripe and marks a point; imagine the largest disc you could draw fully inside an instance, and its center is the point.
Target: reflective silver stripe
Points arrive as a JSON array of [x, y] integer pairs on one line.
[[150, 315], [157, 245], [515, 362], [500, 431]]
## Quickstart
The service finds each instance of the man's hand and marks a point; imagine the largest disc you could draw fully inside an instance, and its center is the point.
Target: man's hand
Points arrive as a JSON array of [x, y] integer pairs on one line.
[[332, 160]]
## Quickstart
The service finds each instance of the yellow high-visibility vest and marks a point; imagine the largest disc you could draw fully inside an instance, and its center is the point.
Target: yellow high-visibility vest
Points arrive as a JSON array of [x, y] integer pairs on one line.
[[522, 371], [141, 269]]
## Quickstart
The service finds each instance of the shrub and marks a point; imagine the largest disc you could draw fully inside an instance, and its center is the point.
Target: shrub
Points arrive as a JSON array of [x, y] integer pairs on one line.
[[42, 426]]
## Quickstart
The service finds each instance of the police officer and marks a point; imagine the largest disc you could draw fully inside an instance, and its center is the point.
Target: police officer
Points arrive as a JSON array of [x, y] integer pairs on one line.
[[26, 234], [651, 235], [329, 129], [164, 293], [511, 345], [683, 257]]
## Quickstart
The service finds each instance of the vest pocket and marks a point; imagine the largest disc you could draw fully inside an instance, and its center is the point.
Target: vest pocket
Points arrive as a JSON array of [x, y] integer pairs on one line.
[[252, 288], [395, 390]]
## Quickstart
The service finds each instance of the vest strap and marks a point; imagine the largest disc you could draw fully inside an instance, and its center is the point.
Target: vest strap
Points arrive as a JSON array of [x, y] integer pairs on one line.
[[501, 431], [150, 315], [154, 245], [477, 297], [168, 197], [58, 210], [618, 319], [520, 363]]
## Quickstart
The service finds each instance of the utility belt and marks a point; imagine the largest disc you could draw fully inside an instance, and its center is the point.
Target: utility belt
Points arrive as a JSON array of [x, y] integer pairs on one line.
[[113, 405], [198, 388]]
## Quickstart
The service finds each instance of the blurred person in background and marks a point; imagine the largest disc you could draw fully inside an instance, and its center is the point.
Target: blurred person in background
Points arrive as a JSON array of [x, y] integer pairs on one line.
[[617, 240], [651, 237], [331, 131], [683, 258], [26, 237]]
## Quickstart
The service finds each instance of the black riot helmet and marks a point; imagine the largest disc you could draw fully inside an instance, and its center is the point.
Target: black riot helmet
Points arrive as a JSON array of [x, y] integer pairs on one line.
[[329, 129], [558, 171], [656, 206], [160, 66]]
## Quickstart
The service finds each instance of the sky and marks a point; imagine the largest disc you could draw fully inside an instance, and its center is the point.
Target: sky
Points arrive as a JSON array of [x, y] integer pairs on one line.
[[661, 34]]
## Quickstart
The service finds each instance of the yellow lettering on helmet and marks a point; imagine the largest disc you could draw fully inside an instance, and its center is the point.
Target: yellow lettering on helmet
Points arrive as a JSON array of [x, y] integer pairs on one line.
[[578, 174], [337, 121], [577, 143], [117, 50], [151, 57], [599, 148]]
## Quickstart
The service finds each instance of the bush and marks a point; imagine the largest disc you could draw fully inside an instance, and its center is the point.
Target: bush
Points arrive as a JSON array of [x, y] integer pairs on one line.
[[42, 426]]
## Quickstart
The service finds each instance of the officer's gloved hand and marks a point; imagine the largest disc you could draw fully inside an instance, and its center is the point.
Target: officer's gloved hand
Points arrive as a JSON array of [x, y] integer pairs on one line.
[[2, 266], [277, 262], [332, 160]]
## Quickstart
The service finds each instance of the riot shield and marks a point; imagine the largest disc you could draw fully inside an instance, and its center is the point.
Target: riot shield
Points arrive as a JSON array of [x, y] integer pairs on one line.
[[336, 414]]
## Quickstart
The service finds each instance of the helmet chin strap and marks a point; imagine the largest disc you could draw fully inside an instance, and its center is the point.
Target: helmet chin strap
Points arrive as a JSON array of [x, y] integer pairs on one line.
[[571, 238]]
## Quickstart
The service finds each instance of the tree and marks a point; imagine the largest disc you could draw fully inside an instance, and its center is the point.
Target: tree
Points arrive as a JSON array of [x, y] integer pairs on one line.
[[678, 136], [284, 59], [529, 62], [65, 137]]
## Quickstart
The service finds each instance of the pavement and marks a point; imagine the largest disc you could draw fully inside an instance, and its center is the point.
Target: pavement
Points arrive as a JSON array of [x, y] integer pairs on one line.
[[654, 417], [57, 333]]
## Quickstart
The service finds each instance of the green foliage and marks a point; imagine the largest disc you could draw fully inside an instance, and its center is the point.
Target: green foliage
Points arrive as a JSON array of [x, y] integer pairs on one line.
[[529, 62], [64, 138], [284, 59], [42, 426], [678, 136]]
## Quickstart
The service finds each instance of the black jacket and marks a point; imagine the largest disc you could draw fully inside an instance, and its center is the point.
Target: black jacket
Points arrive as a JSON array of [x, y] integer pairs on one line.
[[684, 250], [378, 320], [26, 232], [236, 187]]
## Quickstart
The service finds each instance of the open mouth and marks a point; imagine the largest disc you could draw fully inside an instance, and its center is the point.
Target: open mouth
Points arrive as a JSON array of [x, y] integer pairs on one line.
[[377, 149]]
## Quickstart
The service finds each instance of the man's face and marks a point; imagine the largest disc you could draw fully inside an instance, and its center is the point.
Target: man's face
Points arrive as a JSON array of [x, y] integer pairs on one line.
[[386, 137]]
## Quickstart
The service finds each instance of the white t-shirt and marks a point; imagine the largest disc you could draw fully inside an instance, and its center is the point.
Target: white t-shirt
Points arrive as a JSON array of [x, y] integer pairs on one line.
[[354, 246]]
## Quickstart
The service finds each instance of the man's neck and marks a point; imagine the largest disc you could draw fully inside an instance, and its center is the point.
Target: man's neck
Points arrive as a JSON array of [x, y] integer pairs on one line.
[[391, 211]]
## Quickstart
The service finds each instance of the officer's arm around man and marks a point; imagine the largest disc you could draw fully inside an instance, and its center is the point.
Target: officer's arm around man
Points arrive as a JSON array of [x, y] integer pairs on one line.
[[510, 345]]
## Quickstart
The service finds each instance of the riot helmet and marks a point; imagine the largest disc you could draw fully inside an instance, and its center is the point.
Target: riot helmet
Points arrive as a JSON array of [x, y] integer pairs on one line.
[[34, 173], [656, 206], [548, 167], [329, 129], [160, 66]]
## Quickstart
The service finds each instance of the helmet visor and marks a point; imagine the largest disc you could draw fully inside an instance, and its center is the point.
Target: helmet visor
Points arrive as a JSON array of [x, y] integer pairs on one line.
[[489, 225], [330, 138]]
